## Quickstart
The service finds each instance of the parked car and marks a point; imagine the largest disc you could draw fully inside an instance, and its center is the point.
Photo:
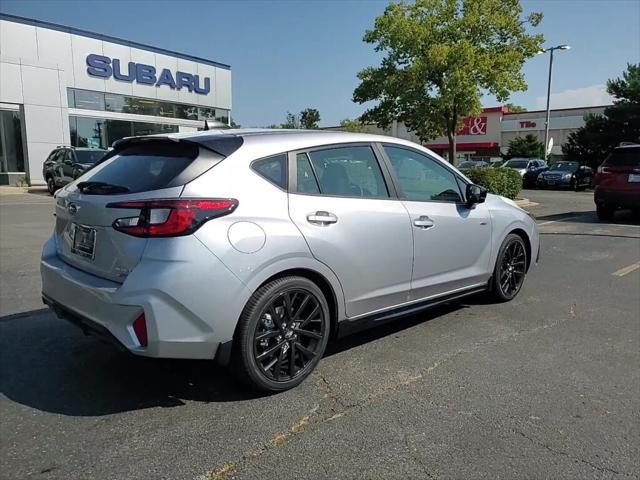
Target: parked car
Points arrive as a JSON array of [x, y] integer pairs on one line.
[[528, 168], [566, 175], [256, 247], [472, 164], [534, 169], [618, 182], [65, 164]]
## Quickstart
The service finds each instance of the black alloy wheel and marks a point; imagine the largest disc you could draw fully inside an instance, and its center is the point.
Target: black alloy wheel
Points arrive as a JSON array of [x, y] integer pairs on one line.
[[282, 334], [510, 269], [288, 334]]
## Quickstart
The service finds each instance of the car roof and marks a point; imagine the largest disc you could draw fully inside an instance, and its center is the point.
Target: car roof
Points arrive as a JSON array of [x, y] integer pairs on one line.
[[271, 141]]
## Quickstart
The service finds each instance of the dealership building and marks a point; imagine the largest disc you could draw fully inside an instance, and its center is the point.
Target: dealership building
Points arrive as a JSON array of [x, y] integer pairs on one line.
[[64, 86]]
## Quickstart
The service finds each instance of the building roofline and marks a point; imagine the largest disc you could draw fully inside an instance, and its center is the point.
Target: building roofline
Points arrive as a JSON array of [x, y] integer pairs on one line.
[[109, 38], [558, 109]]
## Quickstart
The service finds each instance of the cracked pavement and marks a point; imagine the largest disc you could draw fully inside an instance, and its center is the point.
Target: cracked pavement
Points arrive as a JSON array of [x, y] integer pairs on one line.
[[546, 386]]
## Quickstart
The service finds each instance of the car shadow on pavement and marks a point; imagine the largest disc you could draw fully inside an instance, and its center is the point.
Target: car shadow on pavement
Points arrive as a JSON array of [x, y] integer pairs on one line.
[[621, 217], [49, 365]]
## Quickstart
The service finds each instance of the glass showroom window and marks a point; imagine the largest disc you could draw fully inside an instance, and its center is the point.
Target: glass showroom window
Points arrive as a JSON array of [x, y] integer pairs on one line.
[[112, 102], [11, 158], [100, 133]]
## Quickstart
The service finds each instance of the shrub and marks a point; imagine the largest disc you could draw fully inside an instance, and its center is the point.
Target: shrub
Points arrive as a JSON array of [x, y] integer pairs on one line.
[[500, 181]]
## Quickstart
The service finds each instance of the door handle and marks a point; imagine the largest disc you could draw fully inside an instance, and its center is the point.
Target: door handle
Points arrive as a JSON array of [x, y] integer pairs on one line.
[[322, 218], [423, 222]]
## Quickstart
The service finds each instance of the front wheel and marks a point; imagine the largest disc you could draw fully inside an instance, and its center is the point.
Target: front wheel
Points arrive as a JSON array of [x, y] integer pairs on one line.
[[510, 268], [282, 334], [51, 186]]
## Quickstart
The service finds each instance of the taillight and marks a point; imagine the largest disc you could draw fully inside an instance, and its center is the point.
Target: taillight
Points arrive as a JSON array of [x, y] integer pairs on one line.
[[170, 218], [140, 329]]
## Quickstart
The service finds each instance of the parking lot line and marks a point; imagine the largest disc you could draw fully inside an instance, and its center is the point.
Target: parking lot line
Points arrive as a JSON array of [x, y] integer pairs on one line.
[[563, 219], [626, 270]]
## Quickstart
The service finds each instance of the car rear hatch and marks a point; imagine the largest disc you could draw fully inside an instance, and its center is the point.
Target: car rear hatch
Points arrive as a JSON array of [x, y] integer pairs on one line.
[[621, 170], [137, 170]]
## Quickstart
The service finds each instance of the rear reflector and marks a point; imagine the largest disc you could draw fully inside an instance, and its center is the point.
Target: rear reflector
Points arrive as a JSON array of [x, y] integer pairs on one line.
[[140, 329], [170, 218]]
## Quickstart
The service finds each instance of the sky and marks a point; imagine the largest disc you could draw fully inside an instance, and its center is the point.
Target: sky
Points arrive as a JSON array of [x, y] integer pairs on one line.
[[288, 55]]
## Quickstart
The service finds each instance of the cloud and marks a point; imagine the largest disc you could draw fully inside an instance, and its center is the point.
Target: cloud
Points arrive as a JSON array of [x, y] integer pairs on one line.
[[577, 97]]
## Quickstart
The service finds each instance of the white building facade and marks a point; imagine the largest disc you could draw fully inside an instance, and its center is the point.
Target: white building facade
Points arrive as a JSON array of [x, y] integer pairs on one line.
[[64, 86]]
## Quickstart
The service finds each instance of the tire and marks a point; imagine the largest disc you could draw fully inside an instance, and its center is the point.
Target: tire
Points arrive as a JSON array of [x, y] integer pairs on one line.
[[575, 185], [604, 212], [266, 364], [510, 270], [51, 185]]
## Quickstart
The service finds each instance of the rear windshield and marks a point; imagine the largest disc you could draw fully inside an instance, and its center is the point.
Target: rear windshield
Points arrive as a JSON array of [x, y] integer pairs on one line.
[[565, 166], [140, 168], [89, 156], [624, 157], [516, 164]]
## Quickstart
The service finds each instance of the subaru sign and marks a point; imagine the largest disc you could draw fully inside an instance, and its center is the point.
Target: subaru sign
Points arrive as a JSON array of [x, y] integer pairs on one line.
[[105, 67]]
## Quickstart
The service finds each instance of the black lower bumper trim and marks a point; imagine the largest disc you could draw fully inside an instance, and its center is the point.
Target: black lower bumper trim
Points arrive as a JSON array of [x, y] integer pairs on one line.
[[88, 327]]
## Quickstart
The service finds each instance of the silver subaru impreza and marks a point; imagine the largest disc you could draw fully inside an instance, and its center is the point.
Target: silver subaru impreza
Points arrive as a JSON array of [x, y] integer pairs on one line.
[[257, 247]]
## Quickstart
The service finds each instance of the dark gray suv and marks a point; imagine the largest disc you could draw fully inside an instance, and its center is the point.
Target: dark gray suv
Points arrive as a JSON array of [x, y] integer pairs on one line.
[[65, 164]]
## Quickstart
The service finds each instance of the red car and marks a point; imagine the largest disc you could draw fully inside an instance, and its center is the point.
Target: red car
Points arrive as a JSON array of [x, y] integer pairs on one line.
[[618, 182]]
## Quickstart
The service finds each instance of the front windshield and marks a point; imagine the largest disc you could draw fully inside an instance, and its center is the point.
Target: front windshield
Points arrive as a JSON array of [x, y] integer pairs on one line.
[[565, 166], [516, 164], [467, 164], [89, 156]]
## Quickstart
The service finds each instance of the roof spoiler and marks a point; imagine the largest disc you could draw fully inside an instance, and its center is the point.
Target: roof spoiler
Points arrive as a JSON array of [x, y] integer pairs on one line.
[[222, 144]]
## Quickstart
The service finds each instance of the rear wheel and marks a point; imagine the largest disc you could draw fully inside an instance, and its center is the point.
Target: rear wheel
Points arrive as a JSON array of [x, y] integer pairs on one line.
[[51, 185], [510, 269], [604, 212], [282, 334]]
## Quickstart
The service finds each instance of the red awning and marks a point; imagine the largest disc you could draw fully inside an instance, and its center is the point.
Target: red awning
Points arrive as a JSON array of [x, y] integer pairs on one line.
[[462, 146]]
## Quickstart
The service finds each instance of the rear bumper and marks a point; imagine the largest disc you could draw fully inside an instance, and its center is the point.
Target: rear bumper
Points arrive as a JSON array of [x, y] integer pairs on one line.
[[617, 198], [191, 305], [88, 326]]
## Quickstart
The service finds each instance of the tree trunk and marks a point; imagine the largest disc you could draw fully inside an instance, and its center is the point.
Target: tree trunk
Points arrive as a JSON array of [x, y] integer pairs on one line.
[[452, 146]]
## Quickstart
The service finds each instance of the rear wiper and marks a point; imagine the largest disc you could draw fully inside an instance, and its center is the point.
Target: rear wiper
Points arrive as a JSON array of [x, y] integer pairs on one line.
[[89, 187]]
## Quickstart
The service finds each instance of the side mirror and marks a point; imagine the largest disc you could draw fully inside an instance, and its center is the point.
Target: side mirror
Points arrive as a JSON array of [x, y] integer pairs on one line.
[[475, 194]]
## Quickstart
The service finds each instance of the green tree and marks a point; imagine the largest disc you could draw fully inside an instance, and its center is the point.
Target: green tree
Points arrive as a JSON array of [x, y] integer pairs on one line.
[[309, 118], [513, 108], [440, 57], [290, 122], [350, 125], [528, 147], [591, 143]]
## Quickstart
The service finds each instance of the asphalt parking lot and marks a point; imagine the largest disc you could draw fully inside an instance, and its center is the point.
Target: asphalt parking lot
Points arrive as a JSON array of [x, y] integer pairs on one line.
[[546, 386]]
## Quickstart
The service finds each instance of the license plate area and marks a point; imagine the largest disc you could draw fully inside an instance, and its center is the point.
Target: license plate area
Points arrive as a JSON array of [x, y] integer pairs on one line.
[[634, 177], [83, 241]]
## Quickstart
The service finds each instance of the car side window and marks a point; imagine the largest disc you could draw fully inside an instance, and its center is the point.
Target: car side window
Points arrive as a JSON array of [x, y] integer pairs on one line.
[[349, 172], [65, 156], [273, 169], [421, 178], [56, 156], [306, 179]]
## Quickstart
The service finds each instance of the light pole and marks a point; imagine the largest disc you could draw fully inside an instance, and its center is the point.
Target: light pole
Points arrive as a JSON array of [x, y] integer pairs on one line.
[[546, 123]]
